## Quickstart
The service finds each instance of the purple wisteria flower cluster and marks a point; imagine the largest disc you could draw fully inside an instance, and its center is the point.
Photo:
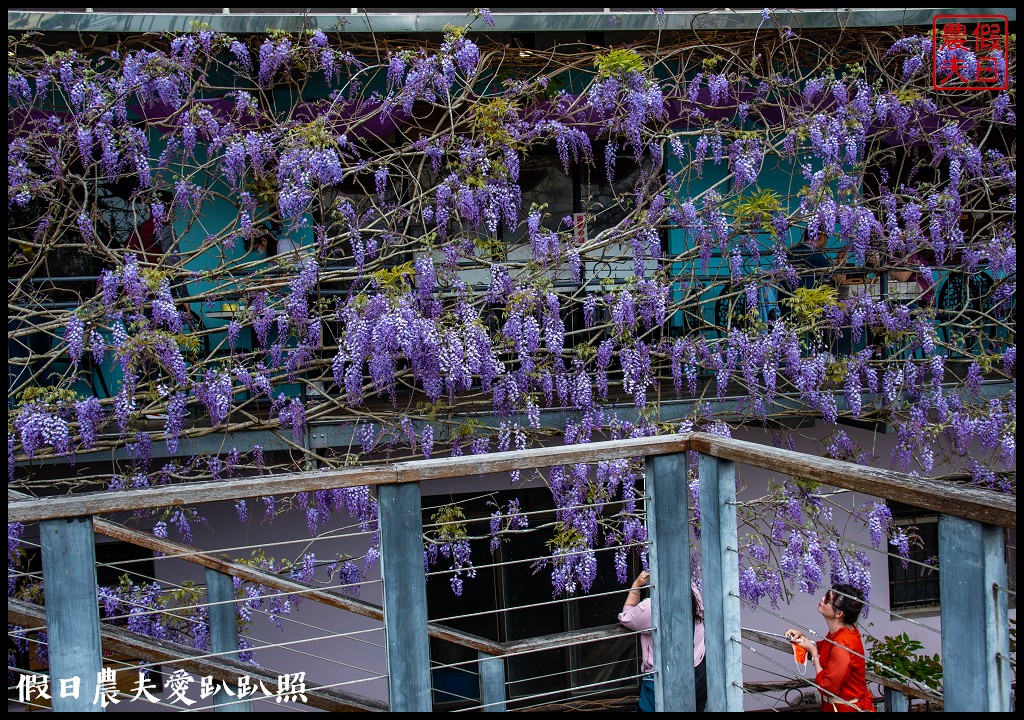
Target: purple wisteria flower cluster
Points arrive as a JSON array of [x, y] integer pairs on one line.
[[439, 248]]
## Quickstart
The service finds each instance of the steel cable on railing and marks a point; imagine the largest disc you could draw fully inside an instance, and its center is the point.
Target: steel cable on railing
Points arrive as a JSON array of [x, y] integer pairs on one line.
[[462, 664], [810, 681], [908, 618], [456, 695], [37, 575], [449, 691], [213, 551], [504, 563], [29, 704], [118, 564], [268, 646], [292, 706], [474, 498], [896, 556], [1008, 659], [509, 683], [340, 586], [757, 696], [150, 666], [1009, 591], [297, 705], [165, 583], [41, 628], [259, 611], [787, 677], [574, 690], [265, 645], [22, 540], [533, 678], [868, 604], [598, 700], [106, 659], [288, 618], [530, 605], [548, 511], [283, 593], [333, 536], [868, 661], [769, 671], [789, 523]]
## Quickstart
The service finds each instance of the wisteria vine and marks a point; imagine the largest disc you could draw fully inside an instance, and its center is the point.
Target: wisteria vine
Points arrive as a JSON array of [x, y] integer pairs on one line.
[[421, 277]]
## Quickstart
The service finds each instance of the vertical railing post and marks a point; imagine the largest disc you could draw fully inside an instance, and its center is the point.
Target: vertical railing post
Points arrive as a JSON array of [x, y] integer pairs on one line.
[[492, 682], [72, 611], [721, 584], [220, 591], [669, 561], [975, 625], [405, 597]]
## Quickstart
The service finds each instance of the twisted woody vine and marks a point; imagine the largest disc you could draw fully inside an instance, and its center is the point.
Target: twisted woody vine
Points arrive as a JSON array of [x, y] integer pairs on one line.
[[426, 275]]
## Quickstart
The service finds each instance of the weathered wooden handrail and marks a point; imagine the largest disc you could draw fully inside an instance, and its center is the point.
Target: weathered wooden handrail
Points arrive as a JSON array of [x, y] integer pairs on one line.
[[970, 503]]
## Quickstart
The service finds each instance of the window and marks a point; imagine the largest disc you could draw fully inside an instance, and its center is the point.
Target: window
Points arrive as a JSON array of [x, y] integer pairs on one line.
[[917, 584], [511, 583]]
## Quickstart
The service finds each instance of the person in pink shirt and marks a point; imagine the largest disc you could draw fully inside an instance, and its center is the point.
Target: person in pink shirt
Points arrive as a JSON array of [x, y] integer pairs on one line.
[[636, 615]]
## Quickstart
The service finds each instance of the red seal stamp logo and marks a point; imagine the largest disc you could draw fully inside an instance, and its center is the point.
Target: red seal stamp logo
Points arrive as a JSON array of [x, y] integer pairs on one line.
[[969, 52]]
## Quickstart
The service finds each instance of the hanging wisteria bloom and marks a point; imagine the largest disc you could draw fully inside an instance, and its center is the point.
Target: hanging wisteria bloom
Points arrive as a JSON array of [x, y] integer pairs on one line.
[[384, 249]]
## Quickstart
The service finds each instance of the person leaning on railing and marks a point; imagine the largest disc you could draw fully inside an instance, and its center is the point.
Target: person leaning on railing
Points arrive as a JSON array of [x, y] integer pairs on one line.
[[839, 658], [636, 615]]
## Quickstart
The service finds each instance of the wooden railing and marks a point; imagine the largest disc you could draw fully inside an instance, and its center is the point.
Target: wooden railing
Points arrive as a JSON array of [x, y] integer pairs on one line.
[[973, 572]]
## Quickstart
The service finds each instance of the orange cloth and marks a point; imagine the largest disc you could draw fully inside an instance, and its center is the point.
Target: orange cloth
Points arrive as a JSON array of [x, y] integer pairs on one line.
[[842, 672]]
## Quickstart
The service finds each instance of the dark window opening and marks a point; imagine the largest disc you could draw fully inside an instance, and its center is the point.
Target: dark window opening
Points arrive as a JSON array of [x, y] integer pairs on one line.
[[917, 584], [512, 584]]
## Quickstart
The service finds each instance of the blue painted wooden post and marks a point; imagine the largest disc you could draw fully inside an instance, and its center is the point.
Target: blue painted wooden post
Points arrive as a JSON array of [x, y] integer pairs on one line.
[[721, 584], [72, 610], [975, 626], [405, 597], [669, 561], [492, 682], [895, 701], [220, 591]]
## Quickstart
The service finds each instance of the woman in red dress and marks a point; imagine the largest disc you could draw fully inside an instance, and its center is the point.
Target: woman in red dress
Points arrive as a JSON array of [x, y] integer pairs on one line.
[[839, 658]]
